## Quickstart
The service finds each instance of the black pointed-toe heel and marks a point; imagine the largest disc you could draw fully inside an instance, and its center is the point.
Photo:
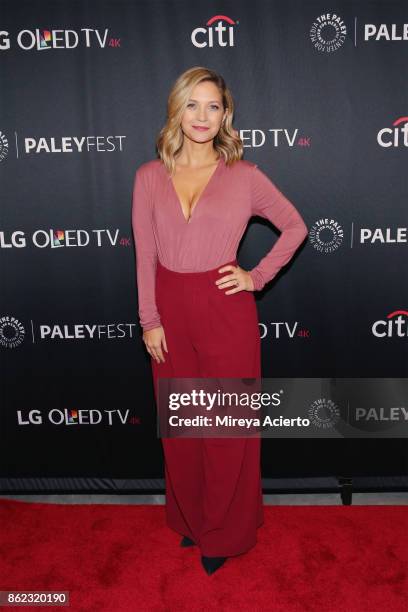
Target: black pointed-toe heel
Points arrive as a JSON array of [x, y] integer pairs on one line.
[[185, 541], [211, 564]]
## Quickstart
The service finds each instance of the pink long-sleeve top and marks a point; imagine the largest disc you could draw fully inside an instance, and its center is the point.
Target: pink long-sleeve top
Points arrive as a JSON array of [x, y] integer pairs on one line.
[[212, 234]]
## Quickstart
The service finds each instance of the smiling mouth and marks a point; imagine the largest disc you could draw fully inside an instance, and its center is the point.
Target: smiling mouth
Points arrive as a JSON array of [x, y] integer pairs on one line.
[[199, 127]]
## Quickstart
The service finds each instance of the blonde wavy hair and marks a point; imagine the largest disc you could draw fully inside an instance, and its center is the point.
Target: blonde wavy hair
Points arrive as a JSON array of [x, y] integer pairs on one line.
[[170, 138]]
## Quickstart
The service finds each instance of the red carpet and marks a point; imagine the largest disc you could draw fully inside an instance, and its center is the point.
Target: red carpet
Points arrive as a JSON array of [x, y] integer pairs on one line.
[[117, 558]]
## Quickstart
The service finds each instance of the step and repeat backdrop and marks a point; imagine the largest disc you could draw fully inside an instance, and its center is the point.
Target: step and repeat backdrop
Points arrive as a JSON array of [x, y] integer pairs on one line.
[[321, 106]]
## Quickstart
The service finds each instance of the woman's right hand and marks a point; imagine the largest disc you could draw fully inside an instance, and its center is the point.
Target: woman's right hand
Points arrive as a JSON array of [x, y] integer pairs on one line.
[[154, 339]]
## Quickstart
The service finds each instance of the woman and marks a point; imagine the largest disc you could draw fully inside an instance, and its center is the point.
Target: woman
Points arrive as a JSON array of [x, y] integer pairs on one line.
[[196, 304]]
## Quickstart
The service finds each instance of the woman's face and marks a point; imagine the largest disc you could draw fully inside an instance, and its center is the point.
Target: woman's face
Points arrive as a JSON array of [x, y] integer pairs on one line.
[[204, 110]]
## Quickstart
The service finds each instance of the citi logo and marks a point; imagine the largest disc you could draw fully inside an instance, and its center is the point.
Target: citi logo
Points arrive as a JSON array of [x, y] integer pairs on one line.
[[395, 324], [221, 34], [395, 136]]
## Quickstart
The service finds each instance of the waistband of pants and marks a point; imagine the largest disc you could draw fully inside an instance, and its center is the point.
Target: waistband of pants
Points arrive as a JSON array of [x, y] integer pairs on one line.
[[212, 274]]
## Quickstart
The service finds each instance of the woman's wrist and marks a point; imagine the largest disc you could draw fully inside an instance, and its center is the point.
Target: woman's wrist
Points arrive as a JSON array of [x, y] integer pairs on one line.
[[150, 326], [256, 279]]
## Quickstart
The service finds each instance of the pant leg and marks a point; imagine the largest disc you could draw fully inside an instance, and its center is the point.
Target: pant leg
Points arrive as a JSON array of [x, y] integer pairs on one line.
[[228, 346], [182, 456], [213, 486]]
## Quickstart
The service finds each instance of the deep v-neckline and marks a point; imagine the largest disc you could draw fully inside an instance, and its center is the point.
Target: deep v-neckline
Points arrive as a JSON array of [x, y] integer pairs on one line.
[[200, 197]]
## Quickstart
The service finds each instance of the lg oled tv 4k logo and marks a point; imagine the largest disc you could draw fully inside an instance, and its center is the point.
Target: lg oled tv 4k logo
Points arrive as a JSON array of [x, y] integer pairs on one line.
[[219, 31], [41, 40], [63, 238]]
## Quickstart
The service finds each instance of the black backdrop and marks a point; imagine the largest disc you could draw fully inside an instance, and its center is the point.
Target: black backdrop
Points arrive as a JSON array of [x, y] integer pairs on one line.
[[321, 105]]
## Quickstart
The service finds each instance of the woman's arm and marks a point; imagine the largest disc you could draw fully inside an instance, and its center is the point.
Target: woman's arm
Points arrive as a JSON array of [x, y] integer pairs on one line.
[[146, 252], [268, 202]]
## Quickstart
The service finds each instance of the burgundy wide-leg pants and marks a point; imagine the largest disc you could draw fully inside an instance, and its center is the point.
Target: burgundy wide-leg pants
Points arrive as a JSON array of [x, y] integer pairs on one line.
[[213, 485]]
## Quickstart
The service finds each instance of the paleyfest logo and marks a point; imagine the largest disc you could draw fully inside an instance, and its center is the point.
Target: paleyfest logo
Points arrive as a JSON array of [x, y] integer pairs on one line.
[[383, 31], [219, 30], [40, 145], [13, 333], [328, 32]]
